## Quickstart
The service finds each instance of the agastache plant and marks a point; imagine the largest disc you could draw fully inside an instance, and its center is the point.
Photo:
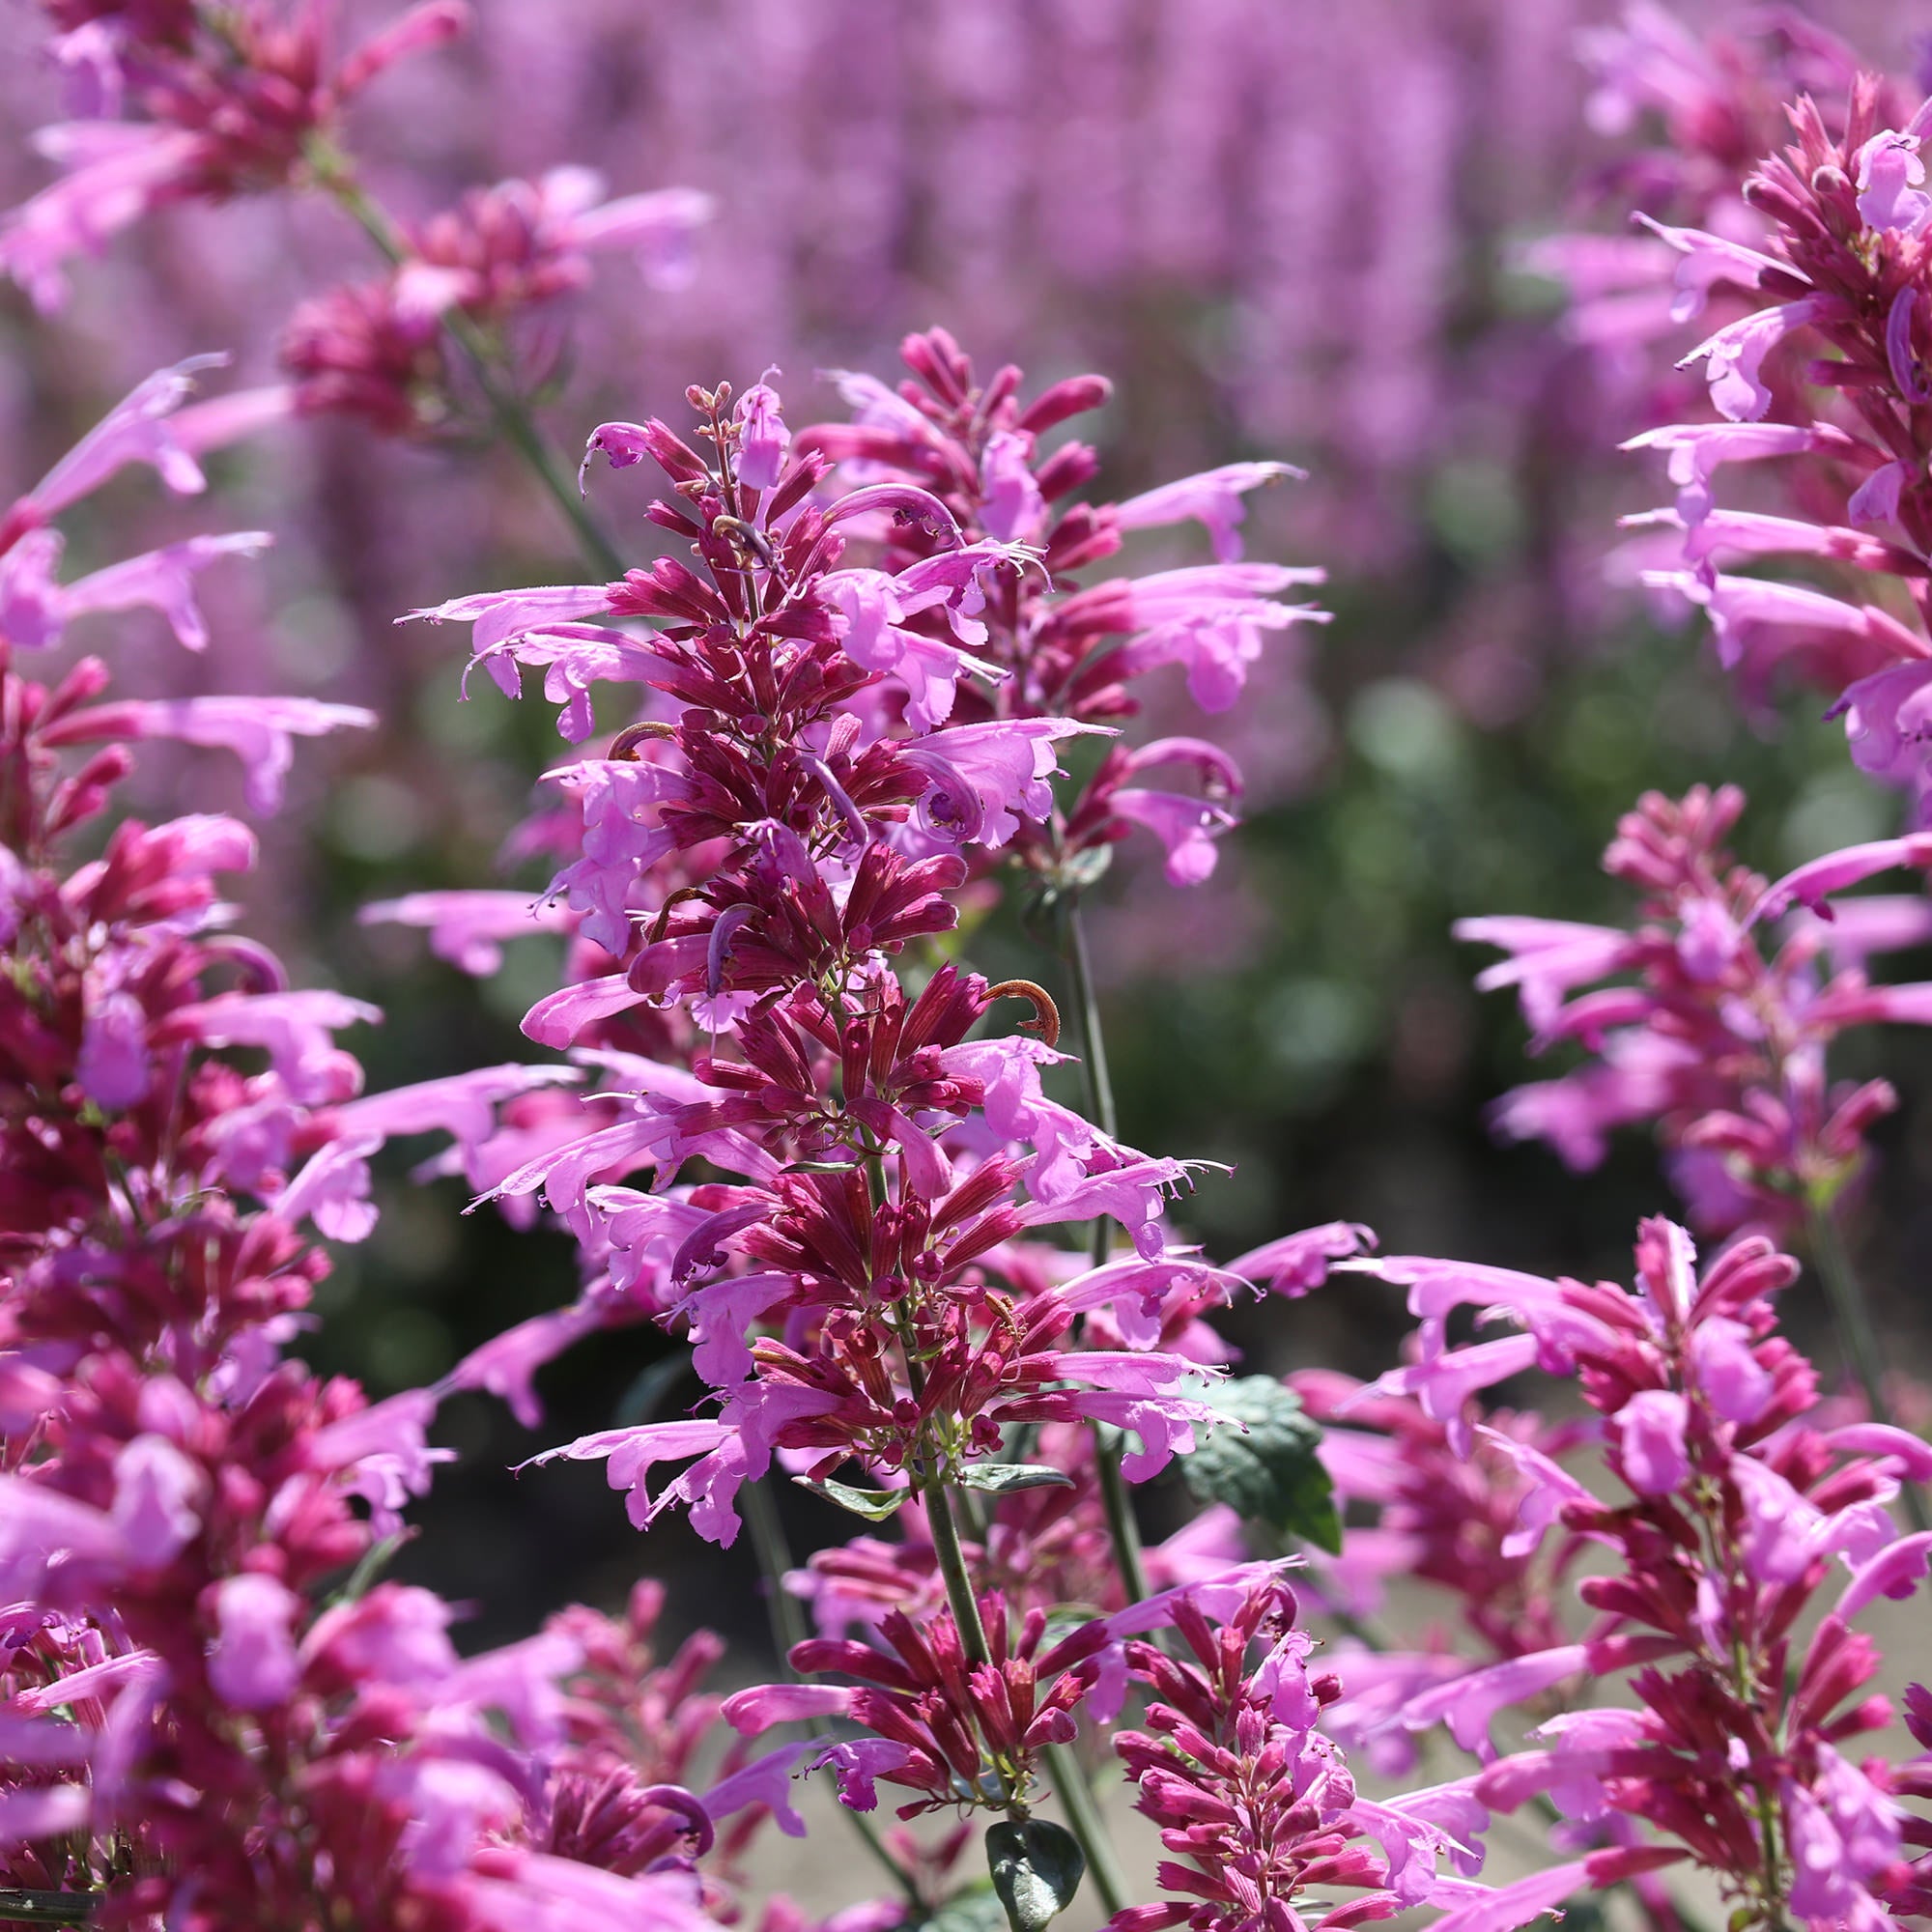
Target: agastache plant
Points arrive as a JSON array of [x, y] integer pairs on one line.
[[1722, 1039], [796, 1131], [192, 102], [209, 1718], [829, 753], [1737, 1505]]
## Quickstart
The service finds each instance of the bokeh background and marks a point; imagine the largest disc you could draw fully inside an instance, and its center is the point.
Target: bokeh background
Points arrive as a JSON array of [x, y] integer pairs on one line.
[[1284, 229]]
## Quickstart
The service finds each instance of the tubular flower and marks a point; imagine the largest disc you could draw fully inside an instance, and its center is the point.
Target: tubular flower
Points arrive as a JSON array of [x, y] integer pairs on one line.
[[1739, 1504], [866, 1288], [1719, 1040], [199, 1721], [1257, 1802]]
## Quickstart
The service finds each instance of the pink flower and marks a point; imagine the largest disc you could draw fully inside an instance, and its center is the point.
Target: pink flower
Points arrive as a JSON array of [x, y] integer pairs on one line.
[[1011, 505], [985, 776], [872, 609], [1696, 451], [752, 1711], [1894, 1572], [381, 1456], [34, 1812], [764, 437], [1650, 1441], [1213, 498], [116, 173], [113, 1067], [1734, 355], [1709, 260], [253, 1664], [293, 1028], [159, 1493], [467, 927], [38, 607], [506, 1364], [1889, 178], [1294, 1263], [258, 730], [632, 1454], [501, 616]]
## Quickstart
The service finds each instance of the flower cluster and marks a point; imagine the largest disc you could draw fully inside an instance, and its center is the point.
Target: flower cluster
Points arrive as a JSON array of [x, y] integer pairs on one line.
[[188, 102], [1720, 1042], [1735, 1497], [1692, 112], [1261, 1806], [751, 860], [1825, 377], [207, 1717]]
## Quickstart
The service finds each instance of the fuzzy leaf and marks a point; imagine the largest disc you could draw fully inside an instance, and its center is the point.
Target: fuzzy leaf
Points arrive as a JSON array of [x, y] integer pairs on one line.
[[1002, 1479], [1037, 1867], [1272, 1474], [875, 1505], [975, 1909]]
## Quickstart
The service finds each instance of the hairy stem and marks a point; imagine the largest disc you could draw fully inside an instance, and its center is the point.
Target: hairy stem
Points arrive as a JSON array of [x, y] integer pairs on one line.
[[1118, 1505], [1088, 1828], [1101, 1111], [1085, 1004], [774, 1554], [787, 1624], [1855, 1335], [46, 1907], [959, 1597], [333, 173]]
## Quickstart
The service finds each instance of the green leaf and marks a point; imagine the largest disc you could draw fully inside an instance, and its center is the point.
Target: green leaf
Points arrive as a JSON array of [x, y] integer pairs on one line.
[[976, 1909], [1037, 1867], [1272, 1474], [640, 1401], [875, 1505], [1003, 1478], [375, 1560]]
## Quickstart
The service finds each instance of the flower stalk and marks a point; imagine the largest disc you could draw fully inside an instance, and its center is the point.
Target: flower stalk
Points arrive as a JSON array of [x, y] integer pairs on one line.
[[335, 176], [1852, 1318]]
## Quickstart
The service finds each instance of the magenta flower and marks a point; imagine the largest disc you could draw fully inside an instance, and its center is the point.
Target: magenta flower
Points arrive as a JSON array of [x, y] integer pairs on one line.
[[1212, 498], [1739, 1504], [1244, 1788], [1720, 1042]]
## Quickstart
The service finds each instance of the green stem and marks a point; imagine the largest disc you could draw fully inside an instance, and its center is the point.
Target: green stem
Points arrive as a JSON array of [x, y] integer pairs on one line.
[[528, 442], [774, 1554], [46, 1907], [787, 1624], [332, 173], [1121, 1527], [952, 1570], [1085, 1004], [1855, 1335], [1086, 1008], [1085, 1822]]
